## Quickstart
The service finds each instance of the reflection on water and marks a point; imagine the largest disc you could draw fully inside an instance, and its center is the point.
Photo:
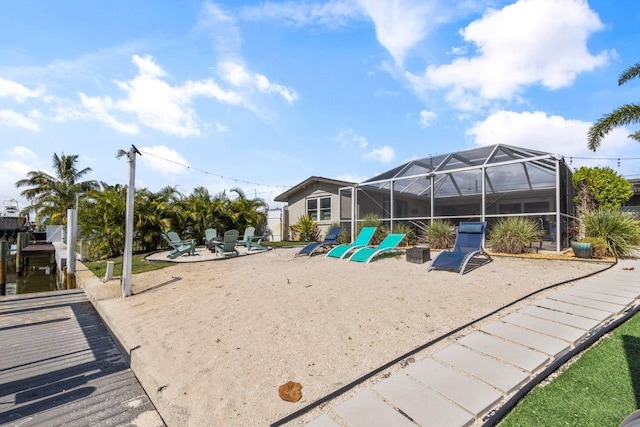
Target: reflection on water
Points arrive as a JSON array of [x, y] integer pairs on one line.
[[38, 276]]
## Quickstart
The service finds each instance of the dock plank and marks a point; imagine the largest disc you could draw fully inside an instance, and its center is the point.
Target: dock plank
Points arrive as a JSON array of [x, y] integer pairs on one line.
[[60, 366]]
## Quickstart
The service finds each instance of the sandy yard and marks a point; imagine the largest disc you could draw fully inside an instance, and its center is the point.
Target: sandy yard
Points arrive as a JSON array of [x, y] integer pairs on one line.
[[211, 342]]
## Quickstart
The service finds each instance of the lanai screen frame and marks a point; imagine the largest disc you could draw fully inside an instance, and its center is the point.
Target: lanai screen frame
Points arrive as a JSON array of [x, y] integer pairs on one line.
[[439, 172]]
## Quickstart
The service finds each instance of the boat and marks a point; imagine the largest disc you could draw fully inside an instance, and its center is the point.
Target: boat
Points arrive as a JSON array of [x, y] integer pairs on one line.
[[10, 209]]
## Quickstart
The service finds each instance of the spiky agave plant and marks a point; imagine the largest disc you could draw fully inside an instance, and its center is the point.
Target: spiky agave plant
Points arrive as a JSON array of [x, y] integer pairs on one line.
[[513, 235], [621, 230], [306, 229], [440, 234]]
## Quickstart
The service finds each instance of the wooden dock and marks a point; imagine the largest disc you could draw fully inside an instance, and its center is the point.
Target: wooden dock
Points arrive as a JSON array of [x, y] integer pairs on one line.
[[59, 366]]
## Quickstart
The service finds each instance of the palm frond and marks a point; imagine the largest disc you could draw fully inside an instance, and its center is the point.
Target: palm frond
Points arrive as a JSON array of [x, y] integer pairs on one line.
[[630, 73], [625, 115]]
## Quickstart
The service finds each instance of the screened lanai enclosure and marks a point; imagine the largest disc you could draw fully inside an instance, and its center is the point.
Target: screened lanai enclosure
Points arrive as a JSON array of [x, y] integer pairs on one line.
[[480, 184]]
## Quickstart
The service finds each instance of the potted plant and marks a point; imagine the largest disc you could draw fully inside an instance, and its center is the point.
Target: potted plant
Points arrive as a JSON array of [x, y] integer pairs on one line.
[[582, 249]]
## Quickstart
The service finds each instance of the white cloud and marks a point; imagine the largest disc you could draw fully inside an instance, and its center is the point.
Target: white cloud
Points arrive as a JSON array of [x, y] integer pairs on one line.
[[264, 85], [400, 24], [154, 102], [163, 159], [332, 14], [348, 137], [528, 42], [19, 152], [15, 119], [539, 131], [221, 26], [383, 154], [17, 162], [426, 117], [18, 92], [98, 109], [238, 76]]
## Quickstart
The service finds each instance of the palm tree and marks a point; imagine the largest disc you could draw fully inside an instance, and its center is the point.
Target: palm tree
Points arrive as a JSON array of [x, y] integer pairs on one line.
[[102, 220], [51, 196], [153, 212], [627, 114], [248, 212]]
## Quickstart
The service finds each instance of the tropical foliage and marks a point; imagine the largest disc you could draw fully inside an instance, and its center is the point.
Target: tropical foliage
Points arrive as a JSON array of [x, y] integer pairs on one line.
[[440, 234], [598, 187], [306, 229], [101, 219], [513, 235], [620, 230], [51, 195], [101, 214], [625, 115]]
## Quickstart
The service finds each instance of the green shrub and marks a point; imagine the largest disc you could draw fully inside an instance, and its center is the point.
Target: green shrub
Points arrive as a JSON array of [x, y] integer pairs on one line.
[[513, 235], [620, 230], [598, 246], [440, 234], [306, 229]]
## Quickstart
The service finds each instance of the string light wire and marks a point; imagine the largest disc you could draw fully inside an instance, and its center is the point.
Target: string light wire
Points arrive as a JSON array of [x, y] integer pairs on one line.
[[283, 187]]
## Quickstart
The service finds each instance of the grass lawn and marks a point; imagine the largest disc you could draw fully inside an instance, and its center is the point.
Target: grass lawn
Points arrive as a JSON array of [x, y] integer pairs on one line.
[[283, 244], [138, 265], [600, 389]]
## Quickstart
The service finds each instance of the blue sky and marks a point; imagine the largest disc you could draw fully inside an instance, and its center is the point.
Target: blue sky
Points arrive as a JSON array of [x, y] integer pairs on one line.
[[262, 95]]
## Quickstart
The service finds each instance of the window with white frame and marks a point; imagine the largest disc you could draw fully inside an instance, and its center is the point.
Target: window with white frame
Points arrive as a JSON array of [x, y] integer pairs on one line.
[[319, 208]]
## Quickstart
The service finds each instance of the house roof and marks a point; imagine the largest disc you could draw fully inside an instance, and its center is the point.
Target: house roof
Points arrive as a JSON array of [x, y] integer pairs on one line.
[[313, 180]]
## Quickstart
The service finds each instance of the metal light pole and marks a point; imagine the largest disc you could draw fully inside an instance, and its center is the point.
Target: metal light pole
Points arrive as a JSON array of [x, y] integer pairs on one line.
[[128, 238]]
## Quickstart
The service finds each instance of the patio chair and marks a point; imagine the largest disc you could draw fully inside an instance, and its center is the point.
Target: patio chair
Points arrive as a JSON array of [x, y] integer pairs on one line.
[[363, 239], [210, 237], [180, 247], [329, 240], [468, 245], [366, 254], [251, 241], [227, 248]]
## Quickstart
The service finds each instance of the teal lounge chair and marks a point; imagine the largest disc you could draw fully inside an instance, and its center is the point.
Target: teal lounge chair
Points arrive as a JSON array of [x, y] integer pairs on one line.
[[227, 248], [210, 238], [180, 247], [468, 245], [363, 239], [367, 253]]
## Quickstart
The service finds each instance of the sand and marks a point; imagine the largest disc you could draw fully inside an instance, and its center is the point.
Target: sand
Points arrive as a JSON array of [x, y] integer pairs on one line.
[[211, 342]]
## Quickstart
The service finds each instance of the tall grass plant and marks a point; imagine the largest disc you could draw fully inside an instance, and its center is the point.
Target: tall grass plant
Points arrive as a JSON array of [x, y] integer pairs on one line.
[[513, 235], [620, 230], [440, 234]]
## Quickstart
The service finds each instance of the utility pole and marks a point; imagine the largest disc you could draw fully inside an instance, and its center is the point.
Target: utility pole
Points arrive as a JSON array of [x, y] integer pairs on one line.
[[128, 238]]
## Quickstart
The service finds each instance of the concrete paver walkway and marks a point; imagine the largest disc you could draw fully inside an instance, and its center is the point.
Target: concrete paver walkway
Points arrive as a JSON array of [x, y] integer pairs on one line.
[[463, 382]]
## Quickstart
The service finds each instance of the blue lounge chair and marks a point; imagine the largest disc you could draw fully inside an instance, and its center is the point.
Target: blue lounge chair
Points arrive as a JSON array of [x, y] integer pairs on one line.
[[367, 253], [180, 247], [227, 248], [329, 240], [363, 239], [467, 246]]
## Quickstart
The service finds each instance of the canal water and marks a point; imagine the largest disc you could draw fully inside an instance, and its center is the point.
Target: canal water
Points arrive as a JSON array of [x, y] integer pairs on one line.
[[39, 275]]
